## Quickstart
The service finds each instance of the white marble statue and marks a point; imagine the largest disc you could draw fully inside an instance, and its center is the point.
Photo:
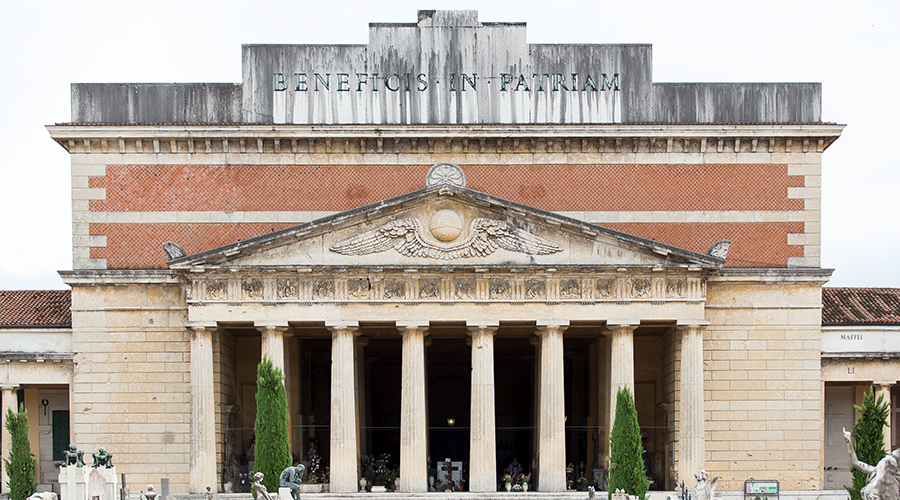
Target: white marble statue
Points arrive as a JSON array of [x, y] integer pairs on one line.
[[883, 481], [705, 488], [259, 489]]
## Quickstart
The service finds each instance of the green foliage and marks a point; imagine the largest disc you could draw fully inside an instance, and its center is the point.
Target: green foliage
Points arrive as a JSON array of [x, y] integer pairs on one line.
[[272, 450], [20, 465], [626, 462], [868, 433]]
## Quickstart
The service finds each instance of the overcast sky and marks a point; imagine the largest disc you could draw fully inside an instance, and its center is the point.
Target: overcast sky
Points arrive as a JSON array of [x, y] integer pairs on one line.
[[853, 48]]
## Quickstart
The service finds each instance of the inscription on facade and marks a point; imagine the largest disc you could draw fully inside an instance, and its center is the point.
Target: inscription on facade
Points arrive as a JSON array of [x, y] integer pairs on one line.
[[852, 336], [452, 82]]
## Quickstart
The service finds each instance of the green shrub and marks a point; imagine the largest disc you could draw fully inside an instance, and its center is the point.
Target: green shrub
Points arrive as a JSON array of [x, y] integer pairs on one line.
[[20, 465], [868, 433], [272, 451], [626, 454]]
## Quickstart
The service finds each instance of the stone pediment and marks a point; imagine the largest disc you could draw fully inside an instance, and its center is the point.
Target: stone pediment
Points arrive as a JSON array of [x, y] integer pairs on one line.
[[445, 227]]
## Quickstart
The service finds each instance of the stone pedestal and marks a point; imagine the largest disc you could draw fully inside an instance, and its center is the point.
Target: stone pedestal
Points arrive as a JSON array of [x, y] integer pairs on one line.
[[552, 426], [344, 459], [87, 483], [9, 404], [483, 431], [692, 435], [203, 409], [413, 419]]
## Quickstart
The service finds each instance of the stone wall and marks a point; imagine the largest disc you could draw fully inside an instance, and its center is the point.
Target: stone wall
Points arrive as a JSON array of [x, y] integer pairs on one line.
[[131, 387], [762, 381]]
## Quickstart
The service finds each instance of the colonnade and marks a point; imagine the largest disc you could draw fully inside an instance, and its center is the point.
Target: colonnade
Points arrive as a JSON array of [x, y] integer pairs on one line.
[[345, 402]]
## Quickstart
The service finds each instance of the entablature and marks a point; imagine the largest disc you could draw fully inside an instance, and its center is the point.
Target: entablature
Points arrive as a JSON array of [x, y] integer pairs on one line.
[[445, 287]]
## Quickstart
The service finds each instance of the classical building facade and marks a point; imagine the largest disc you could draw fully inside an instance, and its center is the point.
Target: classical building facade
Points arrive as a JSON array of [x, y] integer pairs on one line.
[[456, 245]]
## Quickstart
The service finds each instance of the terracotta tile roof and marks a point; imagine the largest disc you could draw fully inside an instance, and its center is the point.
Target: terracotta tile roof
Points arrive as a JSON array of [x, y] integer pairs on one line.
[[860, 306], [35, 308]]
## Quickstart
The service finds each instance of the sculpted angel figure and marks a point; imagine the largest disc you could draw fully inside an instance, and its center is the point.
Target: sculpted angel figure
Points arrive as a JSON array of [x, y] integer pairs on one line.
[[883, 482]]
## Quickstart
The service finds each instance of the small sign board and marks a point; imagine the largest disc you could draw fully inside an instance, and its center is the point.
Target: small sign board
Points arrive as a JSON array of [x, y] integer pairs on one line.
[[754, 487]]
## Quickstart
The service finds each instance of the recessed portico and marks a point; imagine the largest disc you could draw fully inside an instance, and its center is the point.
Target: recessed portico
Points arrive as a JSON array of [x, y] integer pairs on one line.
[[370, 286]]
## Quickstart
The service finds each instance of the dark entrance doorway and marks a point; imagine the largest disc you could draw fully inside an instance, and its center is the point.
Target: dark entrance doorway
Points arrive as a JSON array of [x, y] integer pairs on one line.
[[449, 396]]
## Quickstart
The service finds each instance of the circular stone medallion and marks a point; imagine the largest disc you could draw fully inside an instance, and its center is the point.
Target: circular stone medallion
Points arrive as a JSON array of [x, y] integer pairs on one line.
[[446, 225], [445, 173]]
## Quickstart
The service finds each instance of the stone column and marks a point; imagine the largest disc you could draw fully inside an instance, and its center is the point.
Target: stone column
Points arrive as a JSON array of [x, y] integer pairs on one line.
[[10, 403], [883, 389], [621, 346], [552, 424], [692, 435], [344, 464], [273, 341], [483, 430], [203, 408], [413, 418]]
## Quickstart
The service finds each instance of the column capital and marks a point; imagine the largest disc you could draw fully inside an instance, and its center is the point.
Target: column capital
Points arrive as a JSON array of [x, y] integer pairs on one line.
[[271, 326], [620, 326], [684, 325], [544, 327], [407, 327], [489, 327], [343, 327], [8, 387], [200, 327], [884, 383]]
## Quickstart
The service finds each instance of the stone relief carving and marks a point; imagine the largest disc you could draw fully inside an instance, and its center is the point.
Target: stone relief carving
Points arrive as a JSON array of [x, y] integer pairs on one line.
[[252, 289], [216, 290], [445, 173], [394, 289], [286, 288], [465, 288], [570, 289], [429, 288], [606, 288], [323, 289], [675, 287], [358, 289], [640, 288], [485, 236], [719, 249], [535, 289], [499, 289], [173, 251]]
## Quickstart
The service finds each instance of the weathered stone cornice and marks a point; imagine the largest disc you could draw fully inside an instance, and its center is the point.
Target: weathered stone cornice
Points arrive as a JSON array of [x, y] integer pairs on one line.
[[426, 139], [118, 276]]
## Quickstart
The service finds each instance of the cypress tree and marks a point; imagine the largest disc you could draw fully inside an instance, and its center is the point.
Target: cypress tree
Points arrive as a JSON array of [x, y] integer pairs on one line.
[[272, 452], [626, 453], [868, 433], [20, 465]]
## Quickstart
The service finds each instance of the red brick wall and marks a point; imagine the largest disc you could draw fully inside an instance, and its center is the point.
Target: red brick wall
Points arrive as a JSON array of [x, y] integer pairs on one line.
[[140, 188], [143, 188]]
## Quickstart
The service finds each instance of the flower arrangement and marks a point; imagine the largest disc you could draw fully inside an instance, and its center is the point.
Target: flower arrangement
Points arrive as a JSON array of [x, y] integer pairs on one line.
[[524, 478], [506, 478]]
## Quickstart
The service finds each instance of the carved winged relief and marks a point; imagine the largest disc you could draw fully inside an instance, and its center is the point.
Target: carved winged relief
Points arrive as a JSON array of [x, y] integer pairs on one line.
[[405, 236]]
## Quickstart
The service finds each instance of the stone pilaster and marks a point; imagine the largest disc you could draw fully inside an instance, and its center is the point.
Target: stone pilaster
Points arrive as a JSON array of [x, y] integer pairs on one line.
[[692, 435], [203, 408], [483, 430], [552, 425], [413, 417], [621, 346], [344, 464], [883, 389]]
